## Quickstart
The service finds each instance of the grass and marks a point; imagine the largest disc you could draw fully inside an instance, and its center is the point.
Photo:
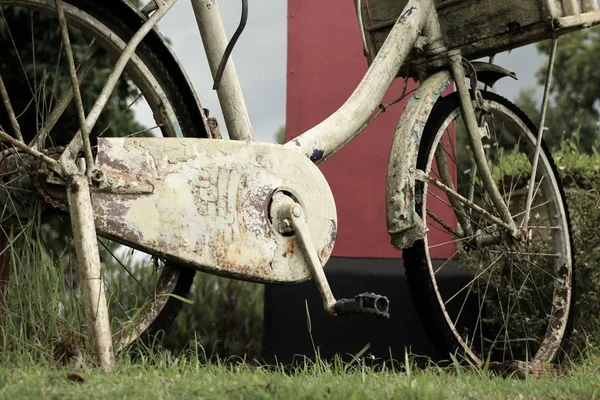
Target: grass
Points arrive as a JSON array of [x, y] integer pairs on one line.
[[164, 377]]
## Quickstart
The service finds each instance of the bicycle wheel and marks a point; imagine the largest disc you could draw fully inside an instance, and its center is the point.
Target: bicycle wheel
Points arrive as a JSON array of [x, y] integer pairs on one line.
[[143, 292], [503, 298]]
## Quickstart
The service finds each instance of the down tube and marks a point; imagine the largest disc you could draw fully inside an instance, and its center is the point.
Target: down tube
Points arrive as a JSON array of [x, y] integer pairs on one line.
[[344, 124]]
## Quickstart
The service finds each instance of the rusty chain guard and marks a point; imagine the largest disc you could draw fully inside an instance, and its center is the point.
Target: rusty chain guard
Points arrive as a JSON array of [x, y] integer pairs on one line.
[[208, 204]]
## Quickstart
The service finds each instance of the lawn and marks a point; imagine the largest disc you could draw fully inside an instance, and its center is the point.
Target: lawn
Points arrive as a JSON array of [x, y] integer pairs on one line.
[[179, 379]]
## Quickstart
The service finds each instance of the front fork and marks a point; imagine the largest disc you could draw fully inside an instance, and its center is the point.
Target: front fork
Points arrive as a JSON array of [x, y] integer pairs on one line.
[[475, 142]]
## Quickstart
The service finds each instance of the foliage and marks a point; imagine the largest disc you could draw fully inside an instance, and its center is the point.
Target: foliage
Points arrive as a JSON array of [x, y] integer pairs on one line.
[[29, 44], [39, 316], [280, 135], [225, 319], [164, 377], [575, 90], [580, 173], [581, 176]]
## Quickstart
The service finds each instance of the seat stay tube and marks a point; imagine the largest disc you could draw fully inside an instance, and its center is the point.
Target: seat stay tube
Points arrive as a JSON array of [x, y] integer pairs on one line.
[[468, 113], [344, 124], [230, 93]]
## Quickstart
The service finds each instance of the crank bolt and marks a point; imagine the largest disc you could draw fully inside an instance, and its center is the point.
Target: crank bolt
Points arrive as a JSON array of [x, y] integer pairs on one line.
[[296, 211]]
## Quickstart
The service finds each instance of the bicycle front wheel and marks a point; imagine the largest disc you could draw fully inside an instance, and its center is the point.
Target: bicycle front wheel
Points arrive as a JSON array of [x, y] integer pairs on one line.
[[144, 292], [480, 291]]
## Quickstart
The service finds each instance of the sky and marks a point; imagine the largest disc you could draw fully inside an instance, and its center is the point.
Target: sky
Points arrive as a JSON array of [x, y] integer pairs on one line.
[[260, 59]]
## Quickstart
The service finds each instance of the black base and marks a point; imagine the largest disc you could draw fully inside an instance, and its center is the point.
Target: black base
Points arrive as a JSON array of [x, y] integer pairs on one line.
[[287, 337]]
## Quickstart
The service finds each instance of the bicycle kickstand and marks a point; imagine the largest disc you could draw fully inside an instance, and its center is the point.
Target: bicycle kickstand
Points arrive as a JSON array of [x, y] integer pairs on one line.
[[290, 217], [88, 260]]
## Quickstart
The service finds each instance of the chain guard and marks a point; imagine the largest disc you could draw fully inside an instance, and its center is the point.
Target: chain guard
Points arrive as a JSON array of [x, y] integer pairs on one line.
[[208, 204]]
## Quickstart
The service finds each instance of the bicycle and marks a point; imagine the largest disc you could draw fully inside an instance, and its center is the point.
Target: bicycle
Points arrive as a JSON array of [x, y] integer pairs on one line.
[[264, 212]]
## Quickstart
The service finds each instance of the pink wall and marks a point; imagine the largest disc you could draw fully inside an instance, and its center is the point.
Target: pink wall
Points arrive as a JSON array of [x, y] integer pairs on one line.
[[325, 63]]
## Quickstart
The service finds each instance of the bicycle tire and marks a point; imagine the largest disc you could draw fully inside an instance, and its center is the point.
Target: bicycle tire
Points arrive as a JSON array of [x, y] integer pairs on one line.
[[449, 334], [178, 280]]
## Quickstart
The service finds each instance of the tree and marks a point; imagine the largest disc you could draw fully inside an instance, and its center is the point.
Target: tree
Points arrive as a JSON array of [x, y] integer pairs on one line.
[[575, 92]]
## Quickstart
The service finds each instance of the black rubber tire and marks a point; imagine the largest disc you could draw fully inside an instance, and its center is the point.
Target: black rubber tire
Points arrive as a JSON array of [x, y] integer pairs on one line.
[[420, 282]]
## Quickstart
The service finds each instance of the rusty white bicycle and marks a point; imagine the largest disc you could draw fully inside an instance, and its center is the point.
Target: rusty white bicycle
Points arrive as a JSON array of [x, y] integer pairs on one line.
[[469, 174]]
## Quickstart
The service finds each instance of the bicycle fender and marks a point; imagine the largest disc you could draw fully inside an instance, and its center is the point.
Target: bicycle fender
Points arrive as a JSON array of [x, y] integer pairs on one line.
[[403, 224], [490, 73]]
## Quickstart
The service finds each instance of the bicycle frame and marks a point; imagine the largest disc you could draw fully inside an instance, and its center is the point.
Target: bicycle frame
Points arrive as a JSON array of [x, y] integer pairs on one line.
[[344, 124], [326, 138], [418, 20]]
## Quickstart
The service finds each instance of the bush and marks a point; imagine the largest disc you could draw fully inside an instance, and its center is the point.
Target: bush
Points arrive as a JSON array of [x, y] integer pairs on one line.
[[581, 176], [225, 319]]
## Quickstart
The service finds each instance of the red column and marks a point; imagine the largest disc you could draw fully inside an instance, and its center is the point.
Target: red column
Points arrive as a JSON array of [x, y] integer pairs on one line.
[[325, 64]]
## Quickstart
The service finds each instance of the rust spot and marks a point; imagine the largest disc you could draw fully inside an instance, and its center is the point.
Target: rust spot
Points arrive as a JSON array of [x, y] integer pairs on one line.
[[326, 251], [406, 14], [290, 248], [110, 214]]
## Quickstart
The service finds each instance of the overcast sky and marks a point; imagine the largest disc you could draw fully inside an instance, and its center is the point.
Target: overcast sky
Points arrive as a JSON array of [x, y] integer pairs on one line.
[[260, 58]]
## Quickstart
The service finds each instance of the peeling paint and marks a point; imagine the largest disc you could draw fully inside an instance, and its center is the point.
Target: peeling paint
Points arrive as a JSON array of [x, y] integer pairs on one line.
[[209, 207], [316, 155], [401, 216], [406, 14], [413, 100]]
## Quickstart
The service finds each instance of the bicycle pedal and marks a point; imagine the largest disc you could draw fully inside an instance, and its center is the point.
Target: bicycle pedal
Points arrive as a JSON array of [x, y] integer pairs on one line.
[[364, 303]]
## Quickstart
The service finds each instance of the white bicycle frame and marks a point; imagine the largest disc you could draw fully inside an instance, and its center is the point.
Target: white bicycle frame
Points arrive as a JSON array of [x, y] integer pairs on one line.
[[344, 124], [419, 18]]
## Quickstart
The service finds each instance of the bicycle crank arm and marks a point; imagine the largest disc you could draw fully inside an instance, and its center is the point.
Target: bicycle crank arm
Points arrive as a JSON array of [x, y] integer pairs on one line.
[[205, 204], [289, 218]]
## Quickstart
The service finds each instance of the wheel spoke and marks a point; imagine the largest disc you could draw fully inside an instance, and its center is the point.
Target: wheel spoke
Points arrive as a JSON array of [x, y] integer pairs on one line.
[[83, 127], [64, 102], [9, 110]]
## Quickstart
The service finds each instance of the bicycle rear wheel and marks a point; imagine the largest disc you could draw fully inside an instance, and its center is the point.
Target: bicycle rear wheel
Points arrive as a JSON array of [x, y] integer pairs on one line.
[[509, 298], [143, 291]]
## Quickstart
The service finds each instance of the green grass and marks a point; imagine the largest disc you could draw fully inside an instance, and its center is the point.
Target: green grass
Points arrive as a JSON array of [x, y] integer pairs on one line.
[[164, 378]]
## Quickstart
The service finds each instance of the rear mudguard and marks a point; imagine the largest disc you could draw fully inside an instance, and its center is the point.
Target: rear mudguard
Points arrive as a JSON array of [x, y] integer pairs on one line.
[[404, 225]]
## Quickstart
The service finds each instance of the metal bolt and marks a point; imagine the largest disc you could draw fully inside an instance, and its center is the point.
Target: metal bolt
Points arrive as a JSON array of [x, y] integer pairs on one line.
[[213, 125], [296, 211]]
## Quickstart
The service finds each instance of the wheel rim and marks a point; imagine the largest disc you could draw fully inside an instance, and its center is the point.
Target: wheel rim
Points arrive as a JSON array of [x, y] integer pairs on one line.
[[528, 318], [117, 260]]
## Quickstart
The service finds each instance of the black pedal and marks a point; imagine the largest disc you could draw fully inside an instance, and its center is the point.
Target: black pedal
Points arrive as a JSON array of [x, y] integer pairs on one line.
[[365, 303]]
